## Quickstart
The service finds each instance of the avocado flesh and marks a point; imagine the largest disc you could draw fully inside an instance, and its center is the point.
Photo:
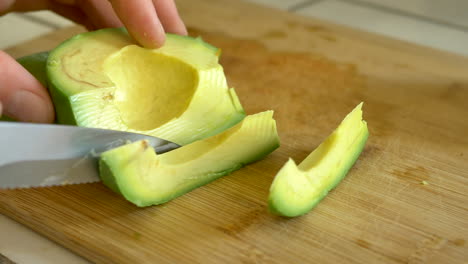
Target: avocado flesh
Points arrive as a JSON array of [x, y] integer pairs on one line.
[[298, 189], [177, 92], [146, 178]]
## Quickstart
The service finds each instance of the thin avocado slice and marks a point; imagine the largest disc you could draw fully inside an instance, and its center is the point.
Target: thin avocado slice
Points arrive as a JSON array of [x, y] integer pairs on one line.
[[146, 178], [178, 92], [298, 189]]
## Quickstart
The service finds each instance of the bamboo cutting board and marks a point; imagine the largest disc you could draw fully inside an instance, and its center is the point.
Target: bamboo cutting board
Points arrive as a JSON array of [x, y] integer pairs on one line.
[[312, 74]]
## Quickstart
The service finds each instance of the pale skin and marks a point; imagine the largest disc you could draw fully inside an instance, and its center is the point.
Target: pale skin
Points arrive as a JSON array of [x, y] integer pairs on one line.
[[23, 98]]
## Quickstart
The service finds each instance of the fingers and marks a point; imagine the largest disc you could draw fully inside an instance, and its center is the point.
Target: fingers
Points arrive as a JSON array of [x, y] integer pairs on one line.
[[6, 5], [73, 13], [100, 13], [169, 16], [21, 95], [22, 5], [141, 20], [93, 14], [146, 20]]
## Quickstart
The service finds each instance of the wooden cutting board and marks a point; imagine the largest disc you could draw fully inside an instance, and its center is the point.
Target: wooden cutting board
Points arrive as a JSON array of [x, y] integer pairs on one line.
[[312, 74]]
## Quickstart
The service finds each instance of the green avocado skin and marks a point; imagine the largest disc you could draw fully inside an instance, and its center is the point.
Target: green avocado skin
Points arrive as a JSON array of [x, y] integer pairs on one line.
[[7, 119], [63, 108], [36, 65], [107, 176]]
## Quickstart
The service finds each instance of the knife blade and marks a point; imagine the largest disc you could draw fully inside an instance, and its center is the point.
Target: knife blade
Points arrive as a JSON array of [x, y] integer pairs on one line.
[[39, 155]]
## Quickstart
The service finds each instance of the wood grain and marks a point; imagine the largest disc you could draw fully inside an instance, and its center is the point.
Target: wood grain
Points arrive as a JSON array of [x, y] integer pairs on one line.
[[312, 74]]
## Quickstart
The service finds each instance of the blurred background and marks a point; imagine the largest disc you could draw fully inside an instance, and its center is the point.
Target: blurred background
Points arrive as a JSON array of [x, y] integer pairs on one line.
[[441, 24]]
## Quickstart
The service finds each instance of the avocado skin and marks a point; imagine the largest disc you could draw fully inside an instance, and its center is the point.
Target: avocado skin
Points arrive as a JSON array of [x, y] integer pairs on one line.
[[36, 65], [63, 109], [5, 118], [106, 175]]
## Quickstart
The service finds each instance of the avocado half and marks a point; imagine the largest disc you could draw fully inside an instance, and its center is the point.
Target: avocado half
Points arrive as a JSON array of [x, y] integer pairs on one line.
[[178, 92], [146, 178], [298, 189]]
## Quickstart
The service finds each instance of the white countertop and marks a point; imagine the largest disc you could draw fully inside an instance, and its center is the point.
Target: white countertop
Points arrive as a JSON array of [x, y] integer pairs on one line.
[[22, 245]]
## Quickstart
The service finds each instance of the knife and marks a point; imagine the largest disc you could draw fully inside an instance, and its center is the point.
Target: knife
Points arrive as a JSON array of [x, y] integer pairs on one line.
[[39, 155]]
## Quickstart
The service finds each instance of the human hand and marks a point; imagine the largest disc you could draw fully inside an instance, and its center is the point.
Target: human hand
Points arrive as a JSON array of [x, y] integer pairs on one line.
[[23, 98], [146, 20]]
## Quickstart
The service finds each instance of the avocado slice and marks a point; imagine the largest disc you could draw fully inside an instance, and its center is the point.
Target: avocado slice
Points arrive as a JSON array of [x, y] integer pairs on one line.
[[178, 92], [146, 178], [298, 189]]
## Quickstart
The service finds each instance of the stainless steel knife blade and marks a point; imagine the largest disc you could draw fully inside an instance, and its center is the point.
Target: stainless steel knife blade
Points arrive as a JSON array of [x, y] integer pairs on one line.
[[38, 155]]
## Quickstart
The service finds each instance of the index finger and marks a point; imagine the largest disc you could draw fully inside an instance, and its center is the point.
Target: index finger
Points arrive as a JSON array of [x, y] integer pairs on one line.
[[141, 20], [22, 96]]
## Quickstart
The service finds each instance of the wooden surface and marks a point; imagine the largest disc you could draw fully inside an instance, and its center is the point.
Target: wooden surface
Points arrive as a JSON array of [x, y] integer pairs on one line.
[[312, 74]]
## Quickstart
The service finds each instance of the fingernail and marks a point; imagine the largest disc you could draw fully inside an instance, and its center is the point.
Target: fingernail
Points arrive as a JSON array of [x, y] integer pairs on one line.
[[27, 107]]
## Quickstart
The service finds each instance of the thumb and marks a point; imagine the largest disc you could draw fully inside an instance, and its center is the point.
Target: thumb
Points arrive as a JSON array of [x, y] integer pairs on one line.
[[22, 97]]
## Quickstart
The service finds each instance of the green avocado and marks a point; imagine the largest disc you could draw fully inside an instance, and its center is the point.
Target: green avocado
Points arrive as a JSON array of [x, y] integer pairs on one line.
[[177, 92], [298, 189], [7, 119], [146, 178]]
